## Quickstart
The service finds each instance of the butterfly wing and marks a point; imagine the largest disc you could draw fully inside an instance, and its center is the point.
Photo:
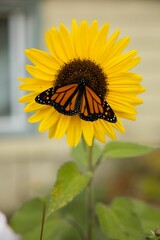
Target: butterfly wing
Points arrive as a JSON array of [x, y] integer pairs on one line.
[[62, 97], [94, 107], [71, 99]]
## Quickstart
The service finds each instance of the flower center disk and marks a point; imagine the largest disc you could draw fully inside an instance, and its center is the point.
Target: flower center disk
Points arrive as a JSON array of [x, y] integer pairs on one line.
[[91, 72]]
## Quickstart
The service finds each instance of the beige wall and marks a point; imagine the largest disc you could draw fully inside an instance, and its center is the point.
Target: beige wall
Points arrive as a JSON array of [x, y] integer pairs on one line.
[[28, 168]]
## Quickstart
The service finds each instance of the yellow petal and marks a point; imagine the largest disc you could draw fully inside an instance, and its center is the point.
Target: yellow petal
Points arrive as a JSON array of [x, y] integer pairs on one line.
[[88, 131], [119, 126], [51, 47], [34, 80], [136, 89], [36, 87], [120, 62], [98, 42], [52, 130], [123, 78], [73, 34], [49, 120], [43, 60], [99, 132], [126, 116], [33, 106], [28, 97], [62, 126], [66, 42], [132, 99], [118, 47], [82, 40], [93, 31], [121, 106], [104, 53], [108, 128], [49, 42], [58, 46], [132, 63], [74, 131], [38, 116], [126, 75], [37, 73]]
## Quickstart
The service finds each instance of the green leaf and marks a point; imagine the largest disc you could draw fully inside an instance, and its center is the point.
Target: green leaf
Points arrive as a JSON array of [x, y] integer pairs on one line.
[[70, 182], [119, 221], [54, 228], [125, 150], [149, 215], [27, 217], [27, 223], [79, 154]]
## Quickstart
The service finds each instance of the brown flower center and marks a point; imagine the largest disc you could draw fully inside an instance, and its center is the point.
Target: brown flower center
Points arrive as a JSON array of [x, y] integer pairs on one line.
[[88, 70]]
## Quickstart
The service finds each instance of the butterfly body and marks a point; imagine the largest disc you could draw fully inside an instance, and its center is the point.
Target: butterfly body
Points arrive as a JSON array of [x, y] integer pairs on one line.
[[77, 98]]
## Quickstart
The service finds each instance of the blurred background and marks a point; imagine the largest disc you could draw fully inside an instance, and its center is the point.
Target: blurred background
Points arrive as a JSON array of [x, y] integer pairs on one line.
[[28, 159]]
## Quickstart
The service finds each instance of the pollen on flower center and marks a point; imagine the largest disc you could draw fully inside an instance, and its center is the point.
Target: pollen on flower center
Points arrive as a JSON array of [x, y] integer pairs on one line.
[[88, 70]]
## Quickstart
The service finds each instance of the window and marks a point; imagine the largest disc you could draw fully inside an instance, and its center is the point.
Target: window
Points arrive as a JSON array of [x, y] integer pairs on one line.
[[16, 34], [4, 75]]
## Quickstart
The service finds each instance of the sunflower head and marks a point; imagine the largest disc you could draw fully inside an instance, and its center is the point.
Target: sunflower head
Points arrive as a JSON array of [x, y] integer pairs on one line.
[[84, 85]]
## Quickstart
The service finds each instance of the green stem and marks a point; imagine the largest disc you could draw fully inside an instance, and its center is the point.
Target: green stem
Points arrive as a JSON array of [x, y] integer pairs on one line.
[[90, 197], [43, 219]]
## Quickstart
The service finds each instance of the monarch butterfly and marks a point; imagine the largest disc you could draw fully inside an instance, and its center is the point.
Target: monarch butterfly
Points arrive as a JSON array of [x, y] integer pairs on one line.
[[77, 98]]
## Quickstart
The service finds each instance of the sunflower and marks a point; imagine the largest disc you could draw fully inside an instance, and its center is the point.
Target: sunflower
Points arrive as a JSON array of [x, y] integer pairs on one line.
[[85, 56]]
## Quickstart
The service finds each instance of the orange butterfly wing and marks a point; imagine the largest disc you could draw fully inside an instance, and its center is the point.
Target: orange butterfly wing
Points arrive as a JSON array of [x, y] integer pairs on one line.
[[93, 107], [75, 98], [62, 98]]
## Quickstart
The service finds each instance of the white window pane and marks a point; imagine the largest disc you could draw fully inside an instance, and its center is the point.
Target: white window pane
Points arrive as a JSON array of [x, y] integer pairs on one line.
[[4, 73]]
